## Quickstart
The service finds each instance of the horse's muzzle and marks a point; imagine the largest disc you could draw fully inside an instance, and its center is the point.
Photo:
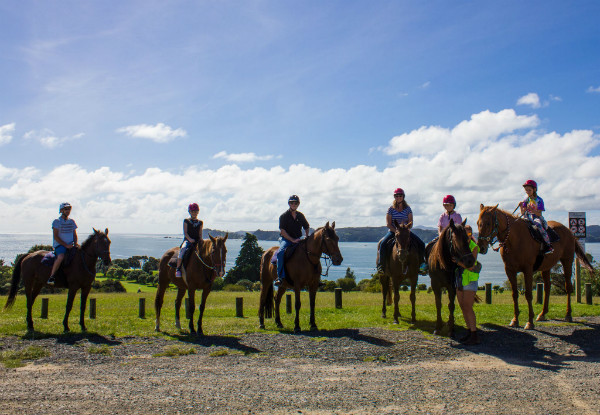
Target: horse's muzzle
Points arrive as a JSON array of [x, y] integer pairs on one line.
[[106, 261], [337, 259]]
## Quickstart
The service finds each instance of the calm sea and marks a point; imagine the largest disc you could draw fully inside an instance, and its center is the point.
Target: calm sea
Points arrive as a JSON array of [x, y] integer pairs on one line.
[[359, 256]]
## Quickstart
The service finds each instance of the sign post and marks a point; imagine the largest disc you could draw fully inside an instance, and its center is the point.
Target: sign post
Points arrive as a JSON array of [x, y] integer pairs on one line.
[[578, 227]]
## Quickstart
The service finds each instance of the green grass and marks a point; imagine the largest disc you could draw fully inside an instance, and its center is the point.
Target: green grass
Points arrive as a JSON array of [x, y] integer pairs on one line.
[[14, 358], [174, 351], [117, 314], [103, 349]]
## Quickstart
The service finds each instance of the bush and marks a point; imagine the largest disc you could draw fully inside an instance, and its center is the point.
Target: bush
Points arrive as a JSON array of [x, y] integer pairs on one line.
[[217, 284], [256, 286], [246, 283], [421, 287], [108, 286], [234, 288], [136, 275], [346, 284], [404, 287], [372, 285], [328, 286], [115, 272]]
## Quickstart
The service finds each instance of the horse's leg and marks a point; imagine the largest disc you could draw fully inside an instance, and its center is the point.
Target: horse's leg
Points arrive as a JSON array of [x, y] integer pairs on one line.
[[178, 299], [529, 297], [297, 319], [34, 290], [205, 292], [70, 299], [396, 282], [451, 307], [413, 300], [312, 296], [192, 306], [567, 264], [547, 287], [280, 292], [437, 292], [512, 278], [385, 286], [158, 303], [84, 295]]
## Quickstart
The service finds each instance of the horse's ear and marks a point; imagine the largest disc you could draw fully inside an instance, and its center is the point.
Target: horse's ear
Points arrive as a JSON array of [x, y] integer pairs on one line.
[[327, 225], [226, 235], [452, 224], [464, 222], [495, 207], [106, 231], [212, 238], [396, 224], [95, 231], [481, 207], [333, 225]]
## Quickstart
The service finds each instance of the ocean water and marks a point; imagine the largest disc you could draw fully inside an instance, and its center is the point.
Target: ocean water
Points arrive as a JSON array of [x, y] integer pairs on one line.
[[359, 256]]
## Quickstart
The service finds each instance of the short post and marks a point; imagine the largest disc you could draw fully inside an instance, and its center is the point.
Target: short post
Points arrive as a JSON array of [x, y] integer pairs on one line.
[[44, 308], [288, 303], [338, 298], [540, 292], [142, 307], [92, 308], [588, 293], [488, 293], [239, 306], [187, 308], [577, 281]]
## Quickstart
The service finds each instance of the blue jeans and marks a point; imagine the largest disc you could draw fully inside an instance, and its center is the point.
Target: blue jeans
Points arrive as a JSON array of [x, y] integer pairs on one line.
[[184, 247], [383, 247], [283, 245]]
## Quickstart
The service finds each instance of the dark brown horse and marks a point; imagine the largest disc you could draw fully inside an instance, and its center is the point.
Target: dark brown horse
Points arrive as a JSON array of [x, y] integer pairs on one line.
[[403, 264], [80, 274], [205, 264], [450, 248], [303, 269], [519, 251]]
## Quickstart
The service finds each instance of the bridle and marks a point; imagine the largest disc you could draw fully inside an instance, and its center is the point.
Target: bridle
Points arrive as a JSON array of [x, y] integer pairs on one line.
[[455, 256], [325, 254], [403, 262], [98, 254], [489, 239], [216, 265]]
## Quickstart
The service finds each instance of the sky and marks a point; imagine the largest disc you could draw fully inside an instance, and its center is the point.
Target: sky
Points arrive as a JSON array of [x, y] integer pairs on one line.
[[130, 110]]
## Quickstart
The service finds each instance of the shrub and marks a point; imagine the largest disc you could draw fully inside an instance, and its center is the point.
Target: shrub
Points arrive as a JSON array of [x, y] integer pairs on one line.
[[217, 284], [404, 287], [328, 286], [421, 287], [346, 284], [245, 283], [234, 288], [372, 285], [108, 286], [255, 286]]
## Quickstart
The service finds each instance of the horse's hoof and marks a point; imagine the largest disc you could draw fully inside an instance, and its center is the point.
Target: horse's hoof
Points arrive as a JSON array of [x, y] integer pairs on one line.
[[569, 319], [261, 326], [66, 330], [314, 328], [157, 329], [541, 317], [178, 326], [383, 316], [396, 321], [514, 323], [529, 326], [413, 321], [297, 330], [279, 325], [436, 332]]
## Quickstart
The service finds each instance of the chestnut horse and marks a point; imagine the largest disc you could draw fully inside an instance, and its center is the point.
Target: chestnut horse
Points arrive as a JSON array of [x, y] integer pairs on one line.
[[403, 264], [80, 274], [303, 268], [451, 248], [519, 251], [205, 264]]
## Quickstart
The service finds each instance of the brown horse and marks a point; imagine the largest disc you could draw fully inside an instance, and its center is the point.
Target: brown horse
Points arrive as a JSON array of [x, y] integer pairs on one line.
[[80, 274], [205, 264], [403, 264], [450, 248], [519, 252], [303, 268]]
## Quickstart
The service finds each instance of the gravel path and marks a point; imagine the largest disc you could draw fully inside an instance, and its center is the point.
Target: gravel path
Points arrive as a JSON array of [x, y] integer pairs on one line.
[[554, 369]]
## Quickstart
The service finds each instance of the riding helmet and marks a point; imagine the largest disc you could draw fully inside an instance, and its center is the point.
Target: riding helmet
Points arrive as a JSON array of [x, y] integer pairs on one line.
[[64, 205], [449, 199], [294, 198], [399, 191], [193, 207], [531, 183]]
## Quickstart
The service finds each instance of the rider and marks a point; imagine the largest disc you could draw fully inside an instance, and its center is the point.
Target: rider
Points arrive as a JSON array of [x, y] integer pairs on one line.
[[466, 288], [532, 208], [192, 234], [449, 204], [291, 223], [64, 236], [402, 213]]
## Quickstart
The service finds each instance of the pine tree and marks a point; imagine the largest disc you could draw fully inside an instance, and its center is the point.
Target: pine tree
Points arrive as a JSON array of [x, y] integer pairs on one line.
[[247, 264]]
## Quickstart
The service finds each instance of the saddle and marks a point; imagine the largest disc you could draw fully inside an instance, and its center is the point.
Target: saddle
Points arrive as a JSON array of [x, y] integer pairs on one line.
[[288, 253], [186, 258], [60, 277], [537, 236]]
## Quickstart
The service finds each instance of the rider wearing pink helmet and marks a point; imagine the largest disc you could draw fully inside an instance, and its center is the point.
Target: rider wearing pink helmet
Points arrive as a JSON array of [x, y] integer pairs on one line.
[[449, 204], [532, 208], [192, 234]]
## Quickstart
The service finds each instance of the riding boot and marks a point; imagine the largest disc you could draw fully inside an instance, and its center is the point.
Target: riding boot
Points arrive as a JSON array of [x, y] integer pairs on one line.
[[548, 249]]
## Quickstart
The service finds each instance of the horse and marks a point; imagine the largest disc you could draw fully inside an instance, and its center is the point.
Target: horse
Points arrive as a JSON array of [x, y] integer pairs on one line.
[[443, 254], [79, 274], [403, 264], [206, 263], [303, 268], [519, 251]]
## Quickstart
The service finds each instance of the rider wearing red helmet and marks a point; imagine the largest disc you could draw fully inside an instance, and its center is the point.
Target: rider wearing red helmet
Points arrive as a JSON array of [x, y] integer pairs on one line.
[[449, 204], [192, 234], [532, 208]]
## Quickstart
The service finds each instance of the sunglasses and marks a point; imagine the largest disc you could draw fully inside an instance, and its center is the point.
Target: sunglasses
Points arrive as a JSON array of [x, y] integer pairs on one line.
[[294, 203], [399, 195]]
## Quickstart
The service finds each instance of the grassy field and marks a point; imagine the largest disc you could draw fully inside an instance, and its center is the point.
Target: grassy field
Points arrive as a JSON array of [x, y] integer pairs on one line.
[[117, 314]]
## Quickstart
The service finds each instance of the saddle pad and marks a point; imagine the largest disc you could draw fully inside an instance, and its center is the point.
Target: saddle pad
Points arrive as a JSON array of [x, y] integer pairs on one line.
[[48, 259], [535, 233]]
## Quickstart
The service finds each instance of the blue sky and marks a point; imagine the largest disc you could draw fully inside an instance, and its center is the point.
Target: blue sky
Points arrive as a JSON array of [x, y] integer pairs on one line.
[[130, 110]]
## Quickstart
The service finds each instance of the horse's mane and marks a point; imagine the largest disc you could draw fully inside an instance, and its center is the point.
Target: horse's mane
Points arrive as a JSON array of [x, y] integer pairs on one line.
[[436, 256], [85, 245]]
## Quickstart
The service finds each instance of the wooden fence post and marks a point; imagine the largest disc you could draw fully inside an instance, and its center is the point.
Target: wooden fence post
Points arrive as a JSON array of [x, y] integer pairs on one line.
[[338, 298], [92, 308], [288, 303], [239, 306], [588, 293], [44, 308], [142, 307], [540, 292], [488, 293]]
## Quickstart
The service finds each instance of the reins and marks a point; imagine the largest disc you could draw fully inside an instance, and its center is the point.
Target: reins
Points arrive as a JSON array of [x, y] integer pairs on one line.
[[98, 255], [324, 255], [495, 232], [214, 267]]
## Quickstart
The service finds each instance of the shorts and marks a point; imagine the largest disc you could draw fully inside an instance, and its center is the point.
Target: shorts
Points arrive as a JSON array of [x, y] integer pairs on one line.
[[472, 286], [60, 249]]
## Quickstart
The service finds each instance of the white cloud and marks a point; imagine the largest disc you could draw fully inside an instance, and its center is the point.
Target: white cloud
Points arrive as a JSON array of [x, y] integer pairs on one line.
[[48, 139], [159, 133], [241, 157], [592, 89], [483, 159], [425, 85], [532, 99], [6, 132]]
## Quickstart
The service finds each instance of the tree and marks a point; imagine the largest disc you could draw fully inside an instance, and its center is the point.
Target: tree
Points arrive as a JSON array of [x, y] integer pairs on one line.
[[247, 264], [150, 265]]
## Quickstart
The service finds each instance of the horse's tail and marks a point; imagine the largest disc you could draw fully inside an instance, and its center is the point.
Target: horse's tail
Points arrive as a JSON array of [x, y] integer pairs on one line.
[[581, 255], [389, 293], [267, 299], [14, 285]]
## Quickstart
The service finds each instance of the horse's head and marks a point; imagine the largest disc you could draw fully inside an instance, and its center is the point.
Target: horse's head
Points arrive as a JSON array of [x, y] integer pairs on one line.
[[218, 253], [459, 244], [330, 243], [402, 239], [487, 225], [101, 246]]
